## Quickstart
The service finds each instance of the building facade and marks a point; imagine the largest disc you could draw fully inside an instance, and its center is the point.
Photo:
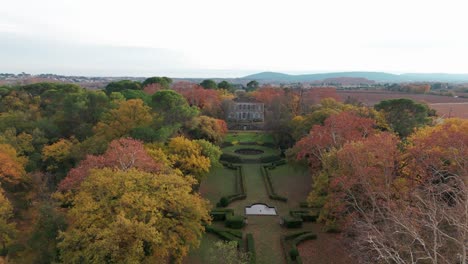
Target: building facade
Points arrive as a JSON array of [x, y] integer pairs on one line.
[[243, 110]]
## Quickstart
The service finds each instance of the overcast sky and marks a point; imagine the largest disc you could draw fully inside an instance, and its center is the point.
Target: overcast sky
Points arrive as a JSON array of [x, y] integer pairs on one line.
[[209, 38]]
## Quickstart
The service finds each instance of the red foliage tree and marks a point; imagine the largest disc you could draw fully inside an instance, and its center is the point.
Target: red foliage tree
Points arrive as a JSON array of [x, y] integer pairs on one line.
[[206, 99], [336, 131], [122, 154]]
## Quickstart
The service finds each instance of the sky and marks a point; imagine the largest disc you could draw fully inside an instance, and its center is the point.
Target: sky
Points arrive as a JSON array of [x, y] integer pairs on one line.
[[220, 38]]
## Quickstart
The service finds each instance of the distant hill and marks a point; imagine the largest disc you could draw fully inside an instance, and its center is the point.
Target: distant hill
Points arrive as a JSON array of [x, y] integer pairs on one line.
[[372, 76]]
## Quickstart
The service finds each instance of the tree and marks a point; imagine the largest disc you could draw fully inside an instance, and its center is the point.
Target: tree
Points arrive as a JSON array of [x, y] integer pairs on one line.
[[133, 217], [404, 115], [211, 129], [172, 106], [209, 84], [122, 154], [227, 252], [120, 122], [165, 82], [7, 229], [209, 101], [12, 166], [210, 151], [252, 85], [336, 131], [43, 239], [122, 85], [187, 156], [225, 85]]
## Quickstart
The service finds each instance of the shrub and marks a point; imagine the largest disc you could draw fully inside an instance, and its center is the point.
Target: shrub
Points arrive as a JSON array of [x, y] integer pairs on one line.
[[269, 159], [269, 186], [305, 215], [235, 221], [227, 235], [223, 202], [251, 248], [291, 222], [293, 253], [230, 158], [220, 214]]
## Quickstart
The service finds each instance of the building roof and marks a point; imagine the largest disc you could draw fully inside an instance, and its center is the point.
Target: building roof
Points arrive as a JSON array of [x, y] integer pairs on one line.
[[245, 99]]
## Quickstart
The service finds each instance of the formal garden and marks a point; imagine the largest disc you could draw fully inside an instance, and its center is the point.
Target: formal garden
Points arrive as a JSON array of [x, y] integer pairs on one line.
[[258, 200]]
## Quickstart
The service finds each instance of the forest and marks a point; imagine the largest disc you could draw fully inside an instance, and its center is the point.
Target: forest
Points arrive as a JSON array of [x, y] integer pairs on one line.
[[115, 175]]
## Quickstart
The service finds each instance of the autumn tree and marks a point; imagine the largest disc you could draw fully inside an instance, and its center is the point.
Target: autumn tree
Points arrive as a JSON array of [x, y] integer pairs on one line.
[[211, 129], [7, 229], [119, 122], [336, 131], [404, 115], [141, 218], [187, 156], [11, 165], [122, 154]]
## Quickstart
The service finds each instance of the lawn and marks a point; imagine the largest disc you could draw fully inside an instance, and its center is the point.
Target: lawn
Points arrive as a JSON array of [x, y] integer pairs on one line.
[[247, 136], [219, 182], [267, 151]]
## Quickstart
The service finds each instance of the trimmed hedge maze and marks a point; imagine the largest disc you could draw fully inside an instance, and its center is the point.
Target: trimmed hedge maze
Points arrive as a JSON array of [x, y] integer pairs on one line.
[[269, 184], [236, 235], [289, 244], [241, 190]]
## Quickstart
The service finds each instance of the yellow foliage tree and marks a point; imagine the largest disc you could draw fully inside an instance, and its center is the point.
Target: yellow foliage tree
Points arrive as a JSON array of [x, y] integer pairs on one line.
[[187, 156], [133, 217], [11, 165], [56, 153], [120, 121]]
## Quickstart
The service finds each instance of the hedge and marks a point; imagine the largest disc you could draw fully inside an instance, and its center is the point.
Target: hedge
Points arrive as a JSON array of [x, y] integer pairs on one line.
[[305, 215], [251, 249], [220, 214], [240, 189], [291, 253], [227, 235], [291, 222], [235, 221], [230, 158], [269, 186], [269, 159]]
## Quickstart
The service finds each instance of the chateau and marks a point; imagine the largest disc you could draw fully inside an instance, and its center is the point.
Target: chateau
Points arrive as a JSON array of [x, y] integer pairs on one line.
[[246, 113]]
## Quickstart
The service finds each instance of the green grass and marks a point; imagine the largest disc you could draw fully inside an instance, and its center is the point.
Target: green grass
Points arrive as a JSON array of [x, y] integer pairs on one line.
[[266, 151], [219, 182], [258, 137]]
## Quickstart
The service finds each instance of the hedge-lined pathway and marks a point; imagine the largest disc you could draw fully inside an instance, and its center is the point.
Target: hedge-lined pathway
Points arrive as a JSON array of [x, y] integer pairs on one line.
[[265, 229]]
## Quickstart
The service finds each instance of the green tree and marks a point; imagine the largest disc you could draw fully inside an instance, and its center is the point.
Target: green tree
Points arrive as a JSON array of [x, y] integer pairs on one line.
[[7, 229], [225, 85], [252, 85], [122, 85], [209, 84], [133, 217], [165, 82], [404, 115], [173, 107]]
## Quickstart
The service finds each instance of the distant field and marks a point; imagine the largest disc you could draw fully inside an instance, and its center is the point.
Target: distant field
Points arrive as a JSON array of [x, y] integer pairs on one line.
[[444, 105], [451, 109], [373, 97]]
